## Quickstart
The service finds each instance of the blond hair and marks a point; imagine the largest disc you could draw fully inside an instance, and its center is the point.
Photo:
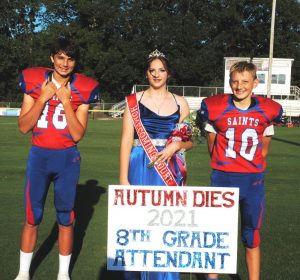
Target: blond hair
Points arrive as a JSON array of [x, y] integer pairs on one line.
[[242, 66]]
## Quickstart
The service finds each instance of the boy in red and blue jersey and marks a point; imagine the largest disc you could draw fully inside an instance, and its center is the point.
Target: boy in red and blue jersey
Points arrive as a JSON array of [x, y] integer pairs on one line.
[[239, 127], [55, 109]]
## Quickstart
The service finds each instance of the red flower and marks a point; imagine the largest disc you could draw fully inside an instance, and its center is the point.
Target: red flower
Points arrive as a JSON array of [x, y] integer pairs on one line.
[[182, 132]]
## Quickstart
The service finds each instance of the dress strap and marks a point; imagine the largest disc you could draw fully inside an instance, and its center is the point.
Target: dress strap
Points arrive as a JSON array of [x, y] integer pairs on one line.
[[142, 96], [174, 98]]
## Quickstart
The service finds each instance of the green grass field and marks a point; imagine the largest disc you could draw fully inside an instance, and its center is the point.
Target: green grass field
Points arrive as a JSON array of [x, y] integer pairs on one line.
[[100, 162]]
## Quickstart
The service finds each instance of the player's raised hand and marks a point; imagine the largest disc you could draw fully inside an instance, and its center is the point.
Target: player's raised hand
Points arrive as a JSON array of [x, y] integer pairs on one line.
[[48, 90], [64, 93]]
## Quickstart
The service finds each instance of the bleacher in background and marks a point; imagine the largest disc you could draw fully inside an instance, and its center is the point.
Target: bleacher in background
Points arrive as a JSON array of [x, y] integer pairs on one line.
[[194, 102], [291, 108]]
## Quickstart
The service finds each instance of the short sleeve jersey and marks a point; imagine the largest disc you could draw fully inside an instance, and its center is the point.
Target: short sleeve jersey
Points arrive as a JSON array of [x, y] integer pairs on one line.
[[51, 131], [238, 144]]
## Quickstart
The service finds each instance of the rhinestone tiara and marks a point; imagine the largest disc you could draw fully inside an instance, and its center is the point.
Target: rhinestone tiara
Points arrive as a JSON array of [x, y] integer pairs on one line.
[[156, 53]]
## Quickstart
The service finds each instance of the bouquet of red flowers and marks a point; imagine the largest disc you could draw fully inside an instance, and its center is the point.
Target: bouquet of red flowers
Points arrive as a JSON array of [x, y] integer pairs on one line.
[[182, 132]]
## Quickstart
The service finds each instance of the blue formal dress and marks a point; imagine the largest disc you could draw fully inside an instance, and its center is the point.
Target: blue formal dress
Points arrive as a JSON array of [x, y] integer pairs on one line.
[[158, 127]]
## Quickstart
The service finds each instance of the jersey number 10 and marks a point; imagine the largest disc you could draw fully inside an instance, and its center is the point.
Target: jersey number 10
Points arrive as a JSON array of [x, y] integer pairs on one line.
[[249, 141]]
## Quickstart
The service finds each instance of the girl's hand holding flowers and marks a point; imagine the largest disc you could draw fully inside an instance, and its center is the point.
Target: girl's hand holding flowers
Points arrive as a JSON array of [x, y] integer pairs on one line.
[[182, 132]]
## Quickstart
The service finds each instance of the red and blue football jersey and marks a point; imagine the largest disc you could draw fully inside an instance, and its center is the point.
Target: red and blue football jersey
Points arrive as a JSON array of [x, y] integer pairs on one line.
[[51, 131], [238, 143]]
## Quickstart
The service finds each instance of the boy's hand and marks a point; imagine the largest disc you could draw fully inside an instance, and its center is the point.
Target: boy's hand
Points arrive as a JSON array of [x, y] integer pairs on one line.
[[64, 93], [48, 90]]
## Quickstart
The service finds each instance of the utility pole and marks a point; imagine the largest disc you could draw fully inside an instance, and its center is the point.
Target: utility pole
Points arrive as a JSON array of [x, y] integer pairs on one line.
[[271, 49]]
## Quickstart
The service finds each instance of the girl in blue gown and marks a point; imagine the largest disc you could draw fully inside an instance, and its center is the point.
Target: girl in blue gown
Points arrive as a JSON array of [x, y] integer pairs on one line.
[[160, 111]]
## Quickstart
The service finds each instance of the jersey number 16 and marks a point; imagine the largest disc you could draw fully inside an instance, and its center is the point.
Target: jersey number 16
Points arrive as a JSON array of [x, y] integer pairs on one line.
[[58, 118]]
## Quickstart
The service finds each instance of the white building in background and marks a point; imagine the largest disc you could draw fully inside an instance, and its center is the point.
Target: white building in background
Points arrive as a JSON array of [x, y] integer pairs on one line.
[[281, 74]]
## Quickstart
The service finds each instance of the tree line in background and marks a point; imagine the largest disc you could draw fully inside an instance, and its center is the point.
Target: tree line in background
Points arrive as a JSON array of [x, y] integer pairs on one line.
[[116, 36]]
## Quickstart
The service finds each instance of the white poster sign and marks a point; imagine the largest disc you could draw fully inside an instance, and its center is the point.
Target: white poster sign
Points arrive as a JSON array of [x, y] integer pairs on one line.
[[184, 229]]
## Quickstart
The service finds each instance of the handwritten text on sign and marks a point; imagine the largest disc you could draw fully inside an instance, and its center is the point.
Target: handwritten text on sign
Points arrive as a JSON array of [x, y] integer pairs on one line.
[[159, 228]]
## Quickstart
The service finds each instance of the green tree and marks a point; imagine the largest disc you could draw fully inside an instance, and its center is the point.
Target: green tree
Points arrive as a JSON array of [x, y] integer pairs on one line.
[[287, 35], [16, 21], [20, 42], [116, 36]]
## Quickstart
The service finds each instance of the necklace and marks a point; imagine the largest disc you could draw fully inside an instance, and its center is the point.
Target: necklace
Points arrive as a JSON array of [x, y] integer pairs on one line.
[[159, 105]]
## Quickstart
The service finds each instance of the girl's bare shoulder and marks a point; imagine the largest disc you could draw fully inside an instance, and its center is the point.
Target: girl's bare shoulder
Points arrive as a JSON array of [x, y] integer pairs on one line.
[[180, 99]]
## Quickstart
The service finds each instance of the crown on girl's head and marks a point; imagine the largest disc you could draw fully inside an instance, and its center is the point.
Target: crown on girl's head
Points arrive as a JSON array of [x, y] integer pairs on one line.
[[157, 53]]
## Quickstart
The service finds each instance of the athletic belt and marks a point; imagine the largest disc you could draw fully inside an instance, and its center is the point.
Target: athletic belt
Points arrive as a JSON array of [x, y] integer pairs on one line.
[[155, 142]]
